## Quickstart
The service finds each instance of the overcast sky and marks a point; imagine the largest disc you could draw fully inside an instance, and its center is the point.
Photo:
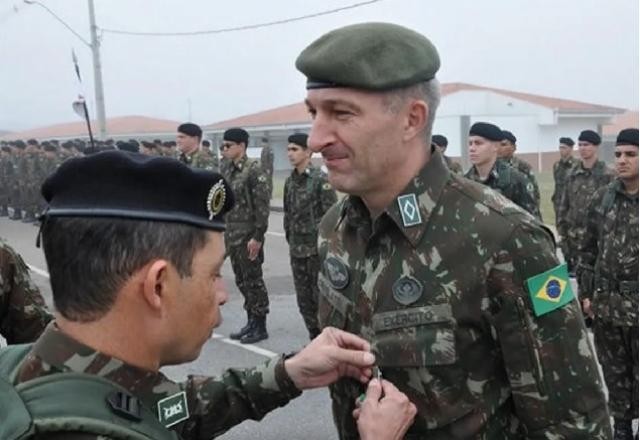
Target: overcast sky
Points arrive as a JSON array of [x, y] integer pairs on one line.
[[585, 50]]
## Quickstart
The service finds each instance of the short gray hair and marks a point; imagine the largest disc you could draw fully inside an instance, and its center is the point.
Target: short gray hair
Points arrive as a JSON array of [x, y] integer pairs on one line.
[[428, 91]]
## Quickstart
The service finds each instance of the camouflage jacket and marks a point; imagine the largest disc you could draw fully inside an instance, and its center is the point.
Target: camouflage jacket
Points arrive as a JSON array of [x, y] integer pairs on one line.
[[437, 285], [580, 186], [307, 197], [455, 167], [23, 314], [249, 218], [266, 159], [200, 159], [561, 170], [610, 249], [510, 183], [524, 167], [214, 404]]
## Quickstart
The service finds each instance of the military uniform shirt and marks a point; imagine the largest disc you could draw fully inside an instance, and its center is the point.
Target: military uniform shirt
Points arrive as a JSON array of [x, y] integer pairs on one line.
[[200, 159], [561, 170], [436, 283], [215, 404]]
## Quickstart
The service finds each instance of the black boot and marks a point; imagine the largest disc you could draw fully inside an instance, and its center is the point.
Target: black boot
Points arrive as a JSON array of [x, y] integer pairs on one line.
[[244, 330], [622, 430], [257, 333]]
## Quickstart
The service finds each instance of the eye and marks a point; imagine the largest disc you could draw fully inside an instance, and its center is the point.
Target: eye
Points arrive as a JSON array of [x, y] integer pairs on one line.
[[312, 112]]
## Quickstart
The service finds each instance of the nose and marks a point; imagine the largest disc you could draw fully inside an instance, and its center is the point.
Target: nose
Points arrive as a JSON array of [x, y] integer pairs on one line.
[[320, 135]]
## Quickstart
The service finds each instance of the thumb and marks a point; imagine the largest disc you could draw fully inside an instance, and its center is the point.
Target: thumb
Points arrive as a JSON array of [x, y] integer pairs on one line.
[[357, 358], [374, 391]]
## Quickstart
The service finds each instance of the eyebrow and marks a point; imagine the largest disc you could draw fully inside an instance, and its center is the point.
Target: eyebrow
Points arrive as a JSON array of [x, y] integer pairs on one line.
[[332, 103]]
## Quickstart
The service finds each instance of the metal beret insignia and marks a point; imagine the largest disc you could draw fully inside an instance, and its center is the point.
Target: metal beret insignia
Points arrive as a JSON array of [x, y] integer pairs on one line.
[[326, 186], [216, 198], [262, 179]]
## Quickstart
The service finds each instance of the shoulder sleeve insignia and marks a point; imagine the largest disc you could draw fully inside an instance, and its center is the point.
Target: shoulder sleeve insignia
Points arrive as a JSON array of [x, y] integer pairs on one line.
[[550, 290]]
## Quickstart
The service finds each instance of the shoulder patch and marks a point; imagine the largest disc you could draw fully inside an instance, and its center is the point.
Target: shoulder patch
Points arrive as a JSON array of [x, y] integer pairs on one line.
[[326, 186], [550, 290]]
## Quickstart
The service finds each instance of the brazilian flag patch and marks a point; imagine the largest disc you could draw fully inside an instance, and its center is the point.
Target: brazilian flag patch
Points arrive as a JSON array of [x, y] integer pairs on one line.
[[550, 290]]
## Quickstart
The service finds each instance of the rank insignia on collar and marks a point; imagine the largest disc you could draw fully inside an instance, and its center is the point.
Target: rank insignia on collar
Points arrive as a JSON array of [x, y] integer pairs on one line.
[[407, 290], [215, 199], [173, 409], [336, 272], [409, 210]]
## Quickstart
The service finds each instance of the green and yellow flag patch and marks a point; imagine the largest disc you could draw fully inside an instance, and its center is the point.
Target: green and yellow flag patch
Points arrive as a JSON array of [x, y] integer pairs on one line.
[[550, 290]]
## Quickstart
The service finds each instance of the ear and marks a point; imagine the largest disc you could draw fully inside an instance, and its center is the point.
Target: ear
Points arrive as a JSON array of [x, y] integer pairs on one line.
[[416, 119], [156, 284]]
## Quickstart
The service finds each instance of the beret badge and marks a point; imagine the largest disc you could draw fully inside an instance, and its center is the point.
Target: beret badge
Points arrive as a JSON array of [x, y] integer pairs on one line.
[[216, 198]]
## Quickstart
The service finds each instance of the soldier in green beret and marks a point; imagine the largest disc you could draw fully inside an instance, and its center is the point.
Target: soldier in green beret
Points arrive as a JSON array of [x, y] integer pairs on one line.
[[460, 293]]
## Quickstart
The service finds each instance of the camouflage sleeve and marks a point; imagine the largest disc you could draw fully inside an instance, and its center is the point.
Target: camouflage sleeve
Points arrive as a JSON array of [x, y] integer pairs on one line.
[[285, 209], [548, 359], [219, 404], [261, 195], [588, 246], [23, 314], [563, 210], [526, 198], [327, 195]]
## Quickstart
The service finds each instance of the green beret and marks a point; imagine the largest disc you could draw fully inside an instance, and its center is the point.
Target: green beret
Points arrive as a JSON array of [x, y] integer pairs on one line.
[[372, 56]]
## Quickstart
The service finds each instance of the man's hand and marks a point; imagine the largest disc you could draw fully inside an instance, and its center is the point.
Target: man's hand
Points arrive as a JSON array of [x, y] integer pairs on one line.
[[331, 355], [586, 308], [386, 412], [253, 248]]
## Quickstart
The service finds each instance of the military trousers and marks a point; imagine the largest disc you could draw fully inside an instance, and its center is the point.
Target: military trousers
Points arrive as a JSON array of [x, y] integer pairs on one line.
[[617, 350], [305, 279], [249, 279]]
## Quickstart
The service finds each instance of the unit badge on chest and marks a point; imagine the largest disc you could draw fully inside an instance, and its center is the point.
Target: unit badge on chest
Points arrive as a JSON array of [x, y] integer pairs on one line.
[[407, 290], [337, 273]]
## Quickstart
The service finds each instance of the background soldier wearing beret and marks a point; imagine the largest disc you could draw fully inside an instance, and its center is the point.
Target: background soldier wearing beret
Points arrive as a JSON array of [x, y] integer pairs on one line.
[[506, 152], [459, 291], [266, 162], [6, 173], [307, 197], [17, 186], [150, 298], [247, 225], [441, 144], [23, 314], [608, 271], [561, 170], [188, 140], [484, 142], [583, 181]]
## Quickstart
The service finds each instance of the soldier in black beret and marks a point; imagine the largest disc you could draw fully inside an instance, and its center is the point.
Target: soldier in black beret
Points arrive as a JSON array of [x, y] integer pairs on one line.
[[561, 170], [245, 236], [506, 153], [188, 140], [432, 267], [441, 143]]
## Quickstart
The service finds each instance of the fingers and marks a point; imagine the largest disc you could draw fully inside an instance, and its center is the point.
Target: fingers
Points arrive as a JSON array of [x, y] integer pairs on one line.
[[346, 339], [388, 388], [363, 375], [374, 390]]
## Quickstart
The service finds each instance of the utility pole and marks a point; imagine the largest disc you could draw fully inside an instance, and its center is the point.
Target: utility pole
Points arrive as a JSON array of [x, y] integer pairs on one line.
[[97, 74]]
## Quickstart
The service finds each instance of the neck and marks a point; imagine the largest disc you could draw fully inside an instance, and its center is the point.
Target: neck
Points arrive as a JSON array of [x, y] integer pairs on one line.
[[589, 163], [112, 337], [630, 185], [302, 166], [485, 168], [238, 159], [380, 196], [190, 150]]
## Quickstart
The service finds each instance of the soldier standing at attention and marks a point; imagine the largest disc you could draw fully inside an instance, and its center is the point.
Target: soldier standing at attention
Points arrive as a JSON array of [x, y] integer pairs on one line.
[[23, 314], [506, 152], [561, 170], [6, 171], [608, 272], [484, 141], [307, 197], [246, 228], [266, 162], [583, 181], [441, 144], [152, 297], [459, 291], [188, 140]]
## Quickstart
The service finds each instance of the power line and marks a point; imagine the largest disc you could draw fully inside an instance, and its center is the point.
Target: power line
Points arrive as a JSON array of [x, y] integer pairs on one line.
[[239, 28], [64, 23]]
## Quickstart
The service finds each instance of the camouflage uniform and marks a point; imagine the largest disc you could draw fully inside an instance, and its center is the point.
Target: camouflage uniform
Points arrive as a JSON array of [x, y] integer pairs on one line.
[[18, 186], [561, 170], [266, 162], [32, 179], [455, 167], [215, 404], [510, 183], [200, 159], [6, 169], [307, 197], [444, 304], [608, 272], [23, 314], [524, 167], [580, 186], [248, 219]]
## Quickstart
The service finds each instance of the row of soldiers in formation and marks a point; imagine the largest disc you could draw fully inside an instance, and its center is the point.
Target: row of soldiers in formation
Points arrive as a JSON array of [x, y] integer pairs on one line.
[[459, 291]]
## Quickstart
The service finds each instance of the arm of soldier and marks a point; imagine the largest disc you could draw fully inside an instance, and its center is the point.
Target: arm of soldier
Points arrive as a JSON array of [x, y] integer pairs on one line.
[[527, 198], [23, 313], [285, 209], [588, 248], [563, 209], [260, 194], [548, 359]]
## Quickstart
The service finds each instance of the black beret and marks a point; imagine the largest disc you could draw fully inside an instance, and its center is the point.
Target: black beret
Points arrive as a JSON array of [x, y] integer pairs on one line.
[[6, 148], [487, 131], [628, 136], [567, 141], [190, 129], [138, 186], [236, 135], [373, 56], [590, 136], [439, 140], [298, 139], [507, 135], [32, 142], [49, 147], [20, 144], [126, 146], [206, 143]]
